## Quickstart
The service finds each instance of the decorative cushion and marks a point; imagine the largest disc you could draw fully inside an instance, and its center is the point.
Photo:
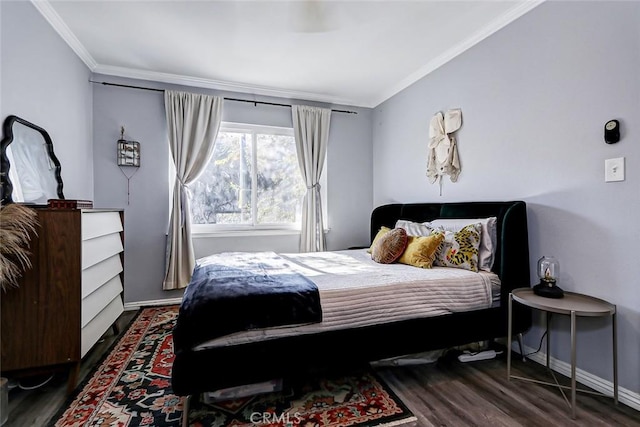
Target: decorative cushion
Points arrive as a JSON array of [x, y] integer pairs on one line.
[[488, 236], [390, 246], [421, 250], [415, 228], [383, 230], [460, 249]]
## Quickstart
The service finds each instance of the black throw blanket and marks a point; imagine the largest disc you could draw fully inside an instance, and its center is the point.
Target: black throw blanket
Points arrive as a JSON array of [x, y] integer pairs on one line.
[[235, 292]]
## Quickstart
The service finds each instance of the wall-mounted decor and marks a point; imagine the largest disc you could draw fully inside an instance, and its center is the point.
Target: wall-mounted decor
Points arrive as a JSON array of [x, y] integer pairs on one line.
[[128, 154], [612, 132], [128, 151], [443, 151]]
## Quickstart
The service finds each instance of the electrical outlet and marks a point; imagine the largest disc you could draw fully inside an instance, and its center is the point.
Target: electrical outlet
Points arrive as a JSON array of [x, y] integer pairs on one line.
[[614, 169]]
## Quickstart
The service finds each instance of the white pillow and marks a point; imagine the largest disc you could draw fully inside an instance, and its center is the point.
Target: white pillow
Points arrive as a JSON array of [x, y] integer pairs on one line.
[[488, 236], [414, 228]]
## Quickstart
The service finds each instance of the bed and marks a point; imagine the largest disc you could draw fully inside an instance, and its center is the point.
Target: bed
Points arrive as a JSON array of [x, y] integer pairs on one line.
[[354, 329]]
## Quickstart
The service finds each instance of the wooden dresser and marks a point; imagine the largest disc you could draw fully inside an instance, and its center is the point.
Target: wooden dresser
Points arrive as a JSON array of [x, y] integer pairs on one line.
[[71, 296]]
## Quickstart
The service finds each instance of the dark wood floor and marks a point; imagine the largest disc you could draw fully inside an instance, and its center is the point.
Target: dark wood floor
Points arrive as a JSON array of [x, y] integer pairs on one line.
[[439, 394], [36, 407], [479, 394]]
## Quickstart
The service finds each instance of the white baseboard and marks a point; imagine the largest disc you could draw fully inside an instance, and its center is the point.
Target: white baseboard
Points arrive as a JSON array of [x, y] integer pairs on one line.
[[626, 396], [151, 303]]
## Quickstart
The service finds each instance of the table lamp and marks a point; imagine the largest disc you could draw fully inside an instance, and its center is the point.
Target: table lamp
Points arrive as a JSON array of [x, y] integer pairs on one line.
[[548, 271]]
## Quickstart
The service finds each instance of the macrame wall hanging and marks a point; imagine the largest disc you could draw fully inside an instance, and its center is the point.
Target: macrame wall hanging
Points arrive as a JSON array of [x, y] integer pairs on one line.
[[128, 153], [443, 151]]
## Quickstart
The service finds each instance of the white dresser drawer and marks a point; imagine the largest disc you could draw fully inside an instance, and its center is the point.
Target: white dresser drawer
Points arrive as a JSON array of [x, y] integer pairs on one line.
[[96, 224], [101, 286], [97, 300], [92, 332], [100, 273], [100, 248]]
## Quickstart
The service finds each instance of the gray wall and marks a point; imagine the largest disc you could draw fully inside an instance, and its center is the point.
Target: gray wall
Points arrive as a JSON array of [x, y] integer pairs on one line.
[[349, 183], [534, 98], [43, 81]]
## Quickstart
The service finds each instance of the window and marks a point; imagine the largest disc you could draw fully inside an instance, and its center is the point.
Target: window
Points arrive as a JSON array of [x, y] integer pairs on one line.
[[252, 181]]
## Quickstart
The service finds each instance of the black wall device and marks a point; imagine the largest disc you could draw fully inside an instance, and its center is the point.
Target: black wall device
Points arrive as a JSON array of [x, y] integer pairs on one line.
[[612, 132]]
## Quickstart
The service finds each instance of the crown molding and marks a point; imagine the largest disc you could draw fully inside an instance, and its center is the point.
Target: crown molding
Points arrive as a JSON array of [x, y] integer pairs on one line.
[[495, 25], [52, 17], [177, 79]]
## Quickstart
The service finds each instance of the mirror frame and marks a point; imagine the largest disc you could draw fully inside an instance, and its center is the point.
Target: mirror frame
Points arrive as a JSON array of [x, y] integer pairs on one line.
[[6, 187]]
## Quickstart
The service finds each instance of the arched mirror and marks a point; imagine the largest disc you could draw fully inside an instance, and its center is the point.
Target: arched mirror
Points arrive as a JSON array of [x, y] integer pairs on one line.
[[29, 170]]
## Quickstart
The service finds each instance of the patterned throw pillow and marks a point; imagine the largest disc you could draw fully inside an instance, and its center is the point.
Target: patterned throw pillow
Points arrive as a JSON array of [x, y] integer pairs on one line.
[[488, 236], [421, 250], [390, 246], [460, 249]]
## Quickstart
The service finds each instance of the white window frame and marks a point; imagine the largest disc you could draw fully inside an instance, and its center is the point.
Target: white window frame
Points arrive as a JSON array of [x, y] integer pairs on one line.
[[219, 230]]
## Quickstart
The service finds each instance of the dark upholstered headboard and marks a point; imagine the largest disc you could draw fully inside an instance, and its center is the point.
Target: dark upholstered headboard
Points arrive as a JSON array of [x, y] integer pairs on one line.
[[512, 253]]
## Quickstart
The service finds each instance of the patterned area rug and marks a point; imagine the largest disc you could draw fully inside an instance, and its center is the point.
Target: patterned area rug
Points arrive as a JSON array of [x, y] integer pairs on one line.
[[132, 387]]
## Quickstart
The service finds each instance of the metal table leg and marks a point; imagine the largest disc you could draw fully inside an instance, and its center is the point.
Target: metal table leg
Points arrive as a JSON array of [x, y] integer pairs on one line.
[[615, 357], [548, 339], [573, 364], [509, 338]]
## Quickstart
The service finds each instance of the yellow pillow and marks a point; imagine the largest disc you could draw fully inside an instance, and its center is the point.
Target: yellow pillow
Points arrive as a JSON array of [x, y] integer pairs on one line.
[[383, 230], [421, 250]]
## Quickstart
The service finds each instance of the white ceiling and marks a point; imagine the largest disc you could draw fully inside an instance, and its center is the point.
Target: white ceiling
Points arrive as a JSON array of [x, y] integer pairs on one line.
[[343, 52]]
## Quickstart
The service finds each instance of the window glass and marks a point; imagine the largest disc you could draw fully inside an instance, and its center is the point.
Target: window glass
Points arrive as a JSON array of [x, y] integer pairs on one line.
[[279, 184], [252, 179]]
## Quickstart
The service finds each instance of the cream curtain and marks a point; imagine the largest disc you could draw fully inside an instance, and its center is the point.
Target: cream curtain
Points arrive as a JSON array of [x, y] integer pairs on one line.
[[193, 121], [311, 130]]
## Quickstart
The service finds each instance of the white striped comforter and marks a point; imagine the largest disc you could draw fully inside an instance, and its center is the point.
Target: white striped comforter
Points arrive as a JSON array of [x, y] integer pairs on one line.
[[356, 291]]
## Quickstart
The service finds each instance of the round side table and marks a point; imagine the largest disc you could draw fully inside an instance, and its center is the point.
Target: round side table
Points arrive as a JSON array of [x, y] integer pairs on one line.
[[573, 305]]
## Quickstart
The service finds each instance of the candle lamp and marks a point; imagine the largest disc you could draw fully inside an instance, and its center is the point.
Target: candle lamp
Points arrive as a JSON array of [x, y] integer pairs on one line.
[[548, 272]]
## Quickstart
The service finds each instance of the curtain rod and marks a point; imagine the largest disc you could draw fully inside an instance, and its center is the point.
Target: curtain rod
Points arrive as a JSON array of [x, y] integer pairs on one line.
[[226, 99]]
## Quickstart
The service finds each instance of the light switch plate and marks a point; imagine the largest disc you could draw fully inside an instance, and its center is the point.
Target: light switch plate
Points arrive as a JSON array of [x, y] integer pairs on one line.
[[614, 169]]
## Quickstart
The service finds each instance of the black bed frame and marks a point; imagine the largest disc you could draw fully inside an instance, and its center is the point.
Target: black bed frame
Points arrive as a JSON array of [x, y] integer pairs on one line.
[[207, 370]]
